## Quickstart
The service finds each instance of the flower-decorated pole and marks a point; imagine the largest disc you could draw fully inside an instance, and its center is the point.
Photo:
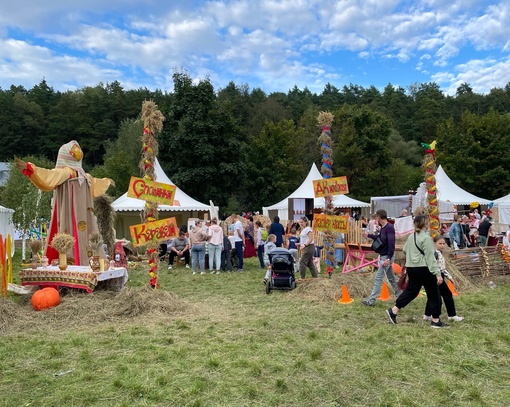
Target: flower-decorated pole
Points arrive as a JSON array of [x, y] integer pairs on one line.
[[152, 123], [430, 182], [325, 119]]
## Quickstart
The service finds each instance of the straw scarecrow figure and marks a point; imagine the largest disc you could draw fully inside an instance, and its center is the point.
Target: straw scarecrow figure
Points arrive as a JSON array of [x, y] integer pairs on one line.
[[73, 194]]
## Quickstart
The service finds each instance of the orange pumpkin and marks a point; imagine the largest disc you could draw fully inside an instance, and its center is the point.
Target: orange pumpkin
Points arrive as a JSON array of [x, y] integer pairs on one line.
[[46, 298]]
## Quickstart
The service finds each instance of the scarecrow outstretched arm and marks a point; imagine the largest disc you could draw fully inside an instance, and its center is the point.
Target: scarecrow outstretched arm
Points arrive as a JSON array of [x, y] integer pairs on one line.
[[98, 186], [44, 179]]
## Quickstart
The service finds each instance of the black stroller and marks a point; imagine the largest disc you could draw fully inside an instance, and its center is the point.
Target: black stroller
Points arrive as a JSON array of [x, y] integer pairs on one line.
[[282, 271]]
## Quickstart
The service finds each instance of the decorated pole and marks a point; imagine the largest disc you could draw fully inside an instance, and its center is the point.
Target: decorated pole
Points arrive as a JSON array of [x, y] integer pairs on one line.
[[152, 123], [325, 119], [430, 182]]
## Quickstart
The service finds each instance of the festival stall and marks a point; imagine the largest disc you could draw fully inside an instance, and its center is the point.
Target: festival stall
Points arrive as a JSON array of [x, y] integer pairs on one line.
[[503, 205], [6, 225], [304, 192], [128, 209]]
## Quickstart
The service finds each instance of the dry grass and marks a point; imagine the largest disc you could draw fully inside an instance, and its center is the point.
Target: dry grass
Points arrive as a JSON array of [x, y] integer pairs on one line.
[[80, 309]]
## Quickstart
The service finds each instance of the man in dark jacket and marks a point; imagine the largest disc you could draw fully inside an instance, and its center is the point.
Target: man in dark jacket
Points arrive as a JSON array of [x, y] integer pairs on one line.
[[277, 229], [387, 256]]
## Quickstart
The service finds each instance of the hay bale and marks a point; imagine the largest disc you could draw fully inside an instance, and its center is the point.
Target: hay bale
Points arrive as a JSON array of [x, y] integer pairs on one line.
[[262, 219], [79, 310], [359, 285]]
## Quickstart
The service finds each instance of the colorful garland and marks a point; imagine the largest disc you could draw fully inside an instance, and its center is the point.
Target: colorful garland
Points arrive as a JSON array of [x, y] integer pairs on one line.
[[325, 119], [430, 182], [152, 123]]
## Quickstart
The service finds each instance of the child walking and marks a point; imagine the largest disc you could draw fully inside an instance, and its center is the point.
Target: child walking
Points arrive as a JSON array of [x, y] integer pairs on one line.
[[268, 248], [444, 291], [292, 247]]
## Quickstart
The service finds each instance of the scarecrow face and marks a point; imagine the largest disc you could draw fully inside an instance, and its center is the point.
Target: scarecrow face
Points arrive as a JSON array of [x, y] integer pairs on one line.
[[76, 152]]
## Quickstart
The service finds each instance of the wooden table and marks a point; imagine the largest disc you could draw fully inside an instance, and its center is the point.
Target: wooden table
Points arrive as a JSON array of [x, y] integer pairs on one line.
[[79, 277]]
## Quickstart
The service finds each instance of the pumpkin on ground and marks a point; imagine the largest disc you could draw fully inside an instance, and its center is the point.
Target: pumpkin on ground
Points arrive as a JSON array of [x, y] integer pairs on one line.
[[46, 298]]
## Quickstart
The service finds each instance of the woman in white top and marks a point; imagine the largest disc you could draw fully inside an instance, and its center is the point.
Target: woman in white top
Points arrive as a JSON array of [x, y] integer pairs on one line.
[[307, 244], [215, 245]]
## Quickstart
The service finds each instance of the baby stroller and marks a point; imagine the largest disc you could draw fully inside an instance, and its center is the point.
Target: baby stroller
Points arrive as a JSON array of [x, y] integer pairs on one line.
[[282, 271]]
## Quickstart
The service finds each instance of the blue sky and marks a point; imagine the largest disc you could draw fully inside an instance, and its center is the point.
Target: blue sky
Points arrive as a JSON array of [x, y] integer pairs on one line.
[[269, 44]]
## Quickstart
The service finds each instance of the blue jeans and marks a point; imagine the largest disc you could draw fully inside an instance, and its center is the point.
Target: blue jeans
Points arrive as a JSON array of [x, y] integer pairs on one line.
[[239, 252], [214, 255], [379, 277], [198, 256], [260, 253]]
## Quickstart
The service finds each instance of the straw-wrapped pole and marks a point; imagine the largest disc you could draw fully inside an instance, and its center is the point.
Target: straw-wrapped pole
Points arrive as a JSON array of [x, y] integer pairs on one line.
[[325, 119], [152, 124]]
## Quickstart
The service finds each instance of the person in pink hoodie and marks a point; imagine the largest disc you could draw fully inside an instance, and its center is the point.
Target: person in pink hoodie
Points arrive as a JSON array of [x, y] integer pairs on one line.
[[215, 245]]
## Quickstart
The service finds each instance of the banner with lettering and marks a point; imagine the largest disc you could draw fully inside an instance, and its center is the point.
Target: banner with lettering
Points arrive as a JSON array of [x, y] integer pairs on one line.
[[157, 231], [331, 186], [151, 191], [332, 223]]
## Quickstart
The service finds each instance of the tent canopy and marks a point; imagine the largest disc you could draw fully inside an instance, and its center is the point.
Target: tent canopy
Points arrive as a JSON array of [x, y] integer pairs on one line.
[[305, 190], [129, 210], [182, 201], [448, 191]]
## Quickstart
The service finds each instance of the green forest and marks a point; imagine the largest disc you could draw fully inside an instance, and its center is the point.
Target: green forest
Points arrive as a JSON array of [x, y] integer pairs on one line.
[[244, 149]]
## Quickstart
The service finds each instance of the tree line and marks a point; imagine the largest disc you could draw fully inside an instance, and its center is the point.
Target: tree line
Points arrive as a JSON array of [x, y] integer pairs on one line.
[[244, 148]]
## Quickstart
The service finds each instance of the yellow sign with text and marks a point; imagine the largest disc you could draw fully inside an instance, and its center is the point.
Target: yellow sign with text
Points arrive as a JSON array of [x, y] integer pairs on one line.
[[331, 223], [151, 191], [331, 186], [156, 231]]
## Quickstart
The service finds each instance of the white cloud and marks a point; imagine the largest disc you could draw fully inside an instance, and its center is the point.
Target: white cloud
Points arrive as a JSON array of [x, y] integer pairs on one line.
[[481, 75]]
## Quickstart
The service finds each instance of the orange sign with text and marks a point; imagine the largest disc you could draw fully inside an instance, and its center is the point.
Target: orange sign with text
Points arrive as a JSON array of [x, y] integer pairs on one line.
[[331, 186], [331, 223], [151, 191], [156, 231]]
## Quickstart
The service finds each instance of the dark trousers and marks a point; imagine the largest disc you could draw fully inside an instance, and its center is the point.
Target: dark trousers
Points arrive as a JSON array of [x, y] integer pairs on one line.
[[173, 254], [226, 264], [260, 253], [162, 251], [239, 252], [418, 277], [447, 297]]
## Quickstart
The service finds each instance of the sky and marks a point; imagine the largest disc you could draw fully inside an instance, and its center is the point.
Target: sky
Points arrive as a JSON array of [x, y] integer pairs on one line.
[[267, 44]]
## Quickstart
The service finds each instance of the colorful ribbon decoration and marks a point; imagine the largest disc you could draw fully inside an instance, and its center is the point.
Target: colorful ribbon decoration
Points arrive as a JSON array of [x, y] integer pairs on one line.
[[430, 182], [325, 119], [153, 122]]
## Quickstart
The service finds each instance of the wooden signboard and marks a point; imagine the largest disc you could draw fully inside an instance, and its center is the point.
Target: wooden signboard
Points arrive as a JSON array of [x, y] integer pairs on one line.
[[156, 231], [331, 186], [335, 224], [151, 191]]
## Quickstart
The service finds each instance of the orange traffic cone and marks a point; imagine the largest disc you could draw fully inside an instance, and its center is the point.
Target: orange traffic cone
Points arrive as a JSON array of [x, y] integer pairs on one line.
[[452, 288], [385, 295], [346, 298]]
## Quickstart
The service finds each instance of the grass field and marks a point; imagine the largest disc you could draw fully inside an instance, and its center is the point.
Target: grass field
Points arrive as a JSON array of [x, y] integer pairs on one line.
[[219, 340]]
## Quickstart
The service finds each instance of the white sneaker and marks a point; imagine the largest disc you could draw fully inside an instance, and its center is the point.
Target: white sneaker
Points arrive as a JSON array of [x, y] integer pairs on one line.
[[187, 266], [456, 318], [194, 272], [213, 272], [427, 318], [218, 272], [202, 273], [170, 267]]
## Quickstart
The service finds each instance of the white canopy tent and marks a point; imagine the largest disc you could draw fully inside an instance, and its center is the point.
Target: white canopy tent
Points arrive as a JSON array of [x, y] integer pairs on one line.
[[449, 194], [6, 225], [129, 210], [503, 205], [306, 191]]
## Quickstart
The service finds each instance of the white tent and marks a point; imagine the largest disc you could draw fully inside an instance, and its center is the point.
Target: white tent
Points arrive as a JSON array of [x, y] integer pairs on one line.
[[6, 225], [129, 210], [503, 205], [306, 191]]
